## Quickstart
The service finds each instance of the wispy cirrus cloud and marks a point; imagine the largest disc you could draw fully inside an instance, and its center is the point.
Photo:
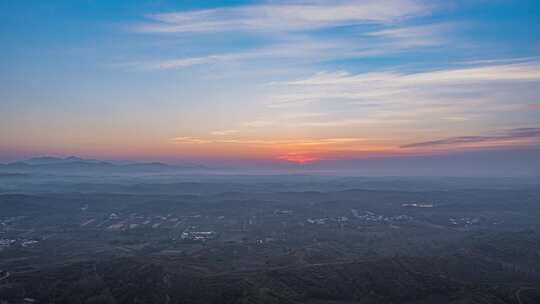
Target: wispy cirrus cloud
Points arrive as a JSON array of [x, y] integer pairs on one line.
[[264, 142], [295, 21], [508, 72], [298, 48], [486, 83], [302, 48], [190, 140], [224, 132], [319, 123], [451, 97], [187, 62], [291, 16], [512, 136], [306, 119], [403, 37]]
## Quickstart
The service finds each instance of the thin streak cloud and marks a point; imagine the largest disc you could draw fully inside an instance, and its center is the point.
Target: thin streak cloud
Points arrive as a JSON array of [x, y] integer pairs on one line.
[[488, 83], [261, 142], [224, 132], [507, 137], [508, 72], [299, 15]]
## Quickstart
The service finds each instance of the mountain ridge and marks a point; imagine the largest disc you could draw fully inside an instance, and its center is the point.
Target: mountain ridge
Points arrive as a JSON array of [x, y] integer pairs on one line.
[[74, 163]]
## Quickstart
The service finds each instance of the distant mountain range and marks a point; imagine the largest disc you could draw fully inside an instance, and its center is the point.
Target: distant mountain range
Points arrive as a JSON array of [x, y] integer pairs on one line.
[[74, 164], [470, 163]]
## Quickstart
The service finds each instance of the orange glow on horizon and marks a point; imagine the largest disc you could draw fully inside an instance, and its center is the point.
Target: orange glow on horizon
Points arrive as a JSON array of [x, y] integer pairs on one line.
[[299, 158], [236, 148]]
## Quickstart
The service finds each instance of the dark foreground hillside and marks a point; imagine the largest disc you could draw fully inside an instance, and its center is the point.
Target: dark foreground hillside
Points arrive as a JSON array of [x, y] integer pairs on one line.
[[391, 280]]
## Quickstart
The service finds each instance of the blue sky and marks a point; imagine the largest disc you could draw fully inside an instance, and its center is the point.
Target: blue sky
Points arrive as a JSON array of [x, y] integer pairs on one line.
[[298, 81]]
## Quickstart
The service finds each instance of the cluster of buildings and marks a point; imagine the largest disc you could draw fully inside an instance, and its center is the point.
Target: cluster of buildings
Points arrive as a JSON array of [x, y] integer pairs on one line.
[[371, 217], [115, 222], [417, 205], [322, 221], [5, 243], [283, 212], [366, 216], [198, 235], [464, 221]]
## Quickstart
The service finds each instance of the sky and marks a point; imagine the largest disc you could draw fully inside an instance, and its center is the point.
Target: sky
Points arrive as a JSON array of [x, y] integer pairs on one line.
[[277, 81]]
